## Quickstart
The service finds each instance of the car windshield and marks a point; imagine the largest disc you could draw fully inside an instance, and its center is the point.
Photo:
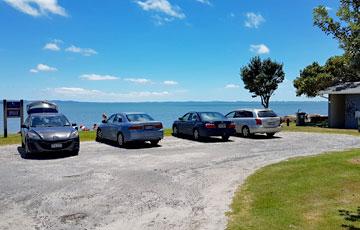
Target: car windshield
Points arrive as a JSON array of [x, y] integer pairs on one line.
[[139, 117], [49, 121], [211, 116], [267, 113]]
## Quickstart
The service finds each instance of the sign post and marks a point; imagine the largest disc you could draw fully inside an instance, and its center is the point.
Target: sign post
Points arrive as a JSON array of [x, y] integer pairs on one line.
[[13, 109], [5, 118]]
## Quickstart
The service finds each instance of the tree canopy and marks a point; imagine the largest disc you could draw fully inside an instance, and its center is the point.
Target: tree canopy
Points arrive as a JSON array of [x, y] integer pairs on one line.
[[262, 78], [315, 77]]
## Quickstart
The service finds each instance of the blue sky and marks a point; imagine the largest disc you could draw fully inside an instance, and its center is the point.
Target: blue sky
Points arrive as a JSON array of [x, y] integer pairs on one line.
[[153, 50]]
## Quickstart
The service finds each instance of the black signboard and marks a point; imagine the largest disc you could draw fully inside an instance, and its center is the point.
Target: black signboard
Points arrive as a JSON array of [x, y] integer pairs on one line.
[[13, 113], [13, 104], [12, 109]]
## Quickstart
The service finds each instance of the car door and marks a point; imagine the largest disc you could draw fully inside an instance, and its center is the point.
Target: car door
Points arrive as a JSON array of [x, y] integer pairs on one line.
[[248, 119], [105, 128], [182, 123], [190, 124], [115, 126]]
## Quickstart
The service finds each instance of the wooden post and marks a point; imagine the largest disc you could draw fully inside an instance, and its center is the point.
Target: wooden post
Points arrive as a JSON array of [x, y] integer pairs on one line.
[[5, 118], [21, 113]]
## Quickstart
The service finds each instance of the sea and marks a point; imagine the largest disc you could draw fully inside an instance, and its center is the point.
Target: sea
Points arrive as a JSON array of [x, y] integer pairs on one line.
[[89, 113]]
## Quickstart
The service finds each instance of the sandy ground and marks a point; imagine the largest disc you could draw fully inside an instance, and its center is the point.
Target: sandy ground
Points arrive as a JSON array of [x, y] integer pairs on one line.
[[181, 185]]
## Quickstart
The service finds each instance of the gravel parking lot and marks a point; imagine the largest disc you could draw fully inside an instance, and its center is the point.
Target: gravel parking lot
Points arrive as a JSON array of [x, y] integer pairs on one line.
[[181, 185]]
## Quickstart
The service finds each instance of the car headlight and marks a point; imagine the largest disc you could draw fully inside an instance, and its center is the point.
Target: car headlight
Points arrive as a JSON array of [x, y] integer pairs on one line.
[[33, 135], [74, 134]]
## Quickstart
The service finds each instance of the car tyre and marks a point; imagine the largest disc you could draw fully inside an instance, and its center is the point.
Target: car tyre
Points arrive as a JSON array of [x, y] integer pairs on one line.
[[225, 137], [245, 132], [99, 135], [270, 134], [196, 135], [120, 140], [154, 143], [175, 131]]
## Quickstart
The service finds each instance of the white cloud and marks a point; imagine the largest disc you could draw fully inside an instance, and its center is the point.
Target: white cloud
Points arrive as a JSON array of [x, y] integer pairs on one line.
[[161, 6], [97, 77], [43, 68], [37, 8], [206, 2], [77, 93], [141, 81], [253, 20], [52, 46], [169, 82], [82, 51], [232, 86], [259, 49]]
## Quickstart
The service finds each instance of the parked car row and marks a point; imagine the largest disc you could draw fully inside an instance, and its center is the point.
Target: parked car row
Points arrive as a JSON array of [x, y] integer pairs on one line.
[[47, 130]]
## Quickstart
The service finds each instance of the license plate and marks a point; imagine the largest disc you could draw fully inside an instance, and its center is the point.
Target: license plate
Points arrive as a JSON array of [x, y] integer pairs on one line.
[[56, 146], [222, 126], [149, 127], [271, 123]]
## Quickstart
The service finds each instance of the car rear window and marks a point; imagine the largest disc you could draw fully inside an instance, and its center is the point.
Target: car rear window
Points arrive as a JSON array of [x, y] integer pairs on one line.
[[210, 116], [267, 113], [139, 117]]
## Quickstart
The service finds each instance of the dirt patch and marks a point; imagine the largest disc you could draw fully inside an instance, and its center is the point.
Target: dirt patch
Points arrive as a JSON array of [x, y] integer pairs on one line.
[[355, 161]]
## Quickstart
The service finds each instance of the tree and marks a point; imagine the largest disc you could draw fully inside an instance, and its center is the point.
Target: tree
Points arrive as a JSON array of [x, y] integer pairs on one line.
[[346, 30], [262, 78], [315, 77]]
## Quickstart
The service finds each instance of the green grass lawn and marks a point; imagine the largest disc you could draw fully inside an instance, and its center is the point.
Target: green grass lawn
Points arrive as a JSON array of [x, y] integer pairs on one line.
[[320, 192], [294, 128], [84, 136]]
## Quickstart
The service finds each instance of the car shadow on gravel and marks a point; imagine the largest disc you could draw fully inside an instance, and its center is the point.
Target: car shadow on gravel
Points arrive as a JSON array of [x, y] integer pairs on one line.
[[203, 140], [43, 156], [131, 145], [258, 137]]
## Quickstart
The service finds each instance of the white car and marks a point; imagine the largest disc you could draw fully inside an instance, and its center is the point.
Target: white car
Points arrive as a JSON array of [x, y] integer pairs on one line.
[[252, 121]]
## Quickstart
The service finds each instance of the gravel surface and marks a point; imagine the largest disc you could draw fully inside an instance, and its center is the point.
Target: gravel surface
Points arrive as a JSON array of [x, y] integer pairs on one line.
[[181, 185]]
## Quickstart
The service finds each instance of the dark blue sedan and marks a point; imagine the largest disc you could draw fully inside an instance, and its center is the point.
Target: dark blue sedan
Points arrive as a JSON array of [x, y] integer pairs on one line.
[[204, 124]]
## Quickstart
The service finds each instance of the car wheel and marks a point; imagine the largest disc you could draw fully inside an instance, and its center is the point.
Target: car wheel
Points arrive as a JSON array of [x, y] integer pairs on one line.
[[196, 135], [245, 132], [225, 138], [120, 139], [270, 134], [155, 143], [175, 131], [99, 135]]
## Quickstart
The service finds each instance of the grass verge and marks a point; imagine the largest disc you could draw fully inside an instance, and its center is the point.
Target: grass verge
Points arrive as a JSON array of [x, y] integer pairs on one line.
[[320, 192], [84, 136], [311, 129]]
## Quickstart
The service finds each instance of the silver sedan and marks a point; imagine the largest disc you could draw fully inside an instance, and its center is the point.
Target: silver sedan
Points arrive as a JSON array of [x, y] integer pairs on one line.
[[130, 127]]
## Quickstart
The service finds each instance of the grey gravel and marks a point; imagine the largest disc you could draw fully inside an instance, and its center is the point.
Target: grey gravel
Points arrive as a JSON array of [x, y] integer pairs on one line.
[[181, 185]]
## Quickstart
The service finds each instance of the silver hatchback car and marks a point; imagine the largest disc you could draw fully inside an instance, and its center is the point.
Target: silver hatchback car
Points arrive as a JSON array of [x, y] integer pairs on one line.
[[252, 121]]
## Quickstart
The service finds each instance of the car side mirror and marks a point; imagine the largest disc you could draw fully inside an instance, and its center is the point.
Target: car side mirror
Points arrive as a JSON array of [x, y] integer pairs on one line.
[[73, 124], [104, 122], [24, 126], [181, 119]]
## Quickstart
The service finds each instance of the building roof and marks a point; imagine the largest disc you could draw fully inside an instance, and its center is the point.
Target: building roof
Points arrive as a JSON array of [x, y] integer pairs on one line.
[[344, 88]]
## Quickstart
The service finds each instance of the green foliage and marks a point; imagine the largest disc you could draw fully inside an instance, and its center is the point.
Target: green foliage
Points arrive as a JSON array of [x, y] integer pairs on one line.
[[315, 77], [346, 30], [262, 78]]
